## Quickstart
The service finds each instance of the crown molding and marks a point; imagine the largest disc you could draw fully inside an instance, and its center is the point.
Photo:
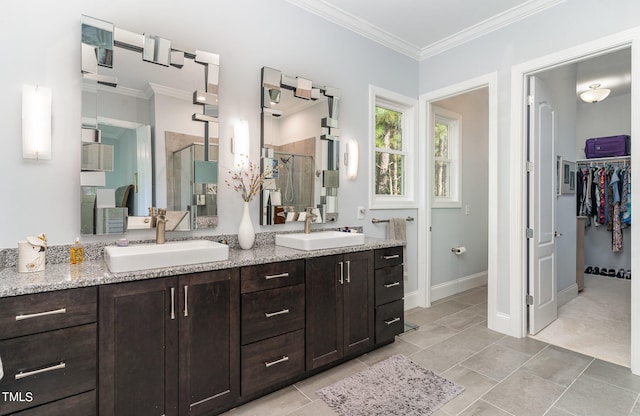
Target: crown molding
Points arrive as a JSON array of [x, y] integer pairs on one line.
[[360, 26]]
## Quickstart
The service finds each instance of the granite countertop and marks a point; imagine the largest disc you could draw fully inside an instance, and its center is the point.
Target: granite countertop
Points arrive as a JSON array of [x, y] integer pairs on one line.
[[94, 272]]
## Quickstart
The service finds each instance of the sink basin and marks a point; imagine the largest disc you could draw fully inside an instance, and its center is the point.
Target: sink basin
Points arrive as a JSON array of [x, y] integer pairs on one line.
[[319, 240], [170, 254]]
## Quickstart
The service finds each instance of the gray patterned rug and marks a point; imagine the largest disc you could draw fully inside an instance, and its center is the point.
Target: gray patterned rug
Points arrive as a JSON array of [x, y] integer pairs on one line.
[[395, 386]]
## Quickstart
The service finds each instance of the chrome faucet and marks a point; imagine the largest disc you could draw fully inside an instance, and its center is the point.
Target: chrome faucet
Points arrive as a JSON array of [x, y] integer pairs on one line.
[[161, 220], [308, 219]]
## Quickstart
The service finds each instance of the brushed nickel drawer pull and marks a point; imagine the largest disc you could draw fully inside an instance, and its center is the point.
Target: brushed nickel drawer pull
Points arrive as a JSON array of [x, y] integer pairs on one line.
[[278, 361], [341, 273], [186, 300], [282, 312], [393, 321], [276, 276], [392, 284], [40, 371], [395, 256], [348, 271], [37, 315], [173, 303]]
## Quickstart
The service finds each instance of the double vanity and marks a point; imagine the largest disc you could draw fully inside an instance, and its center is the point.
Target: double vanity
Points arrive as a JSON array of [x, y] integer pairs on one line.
[[193, 335]]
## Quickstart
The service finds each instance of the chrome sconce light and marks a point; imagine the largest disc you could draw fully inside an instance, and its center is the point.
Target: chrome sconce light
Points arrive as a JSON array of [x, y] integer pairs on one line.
[[240, 144], [36, 122], [351, 159]]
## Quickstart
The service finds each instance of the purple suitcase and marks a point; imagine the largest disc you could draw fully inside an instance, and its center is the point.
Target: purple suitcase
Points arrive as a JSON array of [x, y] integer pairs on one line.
[[607, 146]]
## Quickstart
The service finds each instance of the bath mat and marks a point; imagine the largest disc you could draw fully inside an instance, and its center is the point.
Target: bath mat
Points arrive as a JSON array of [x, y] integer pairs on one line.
[[395, 386]]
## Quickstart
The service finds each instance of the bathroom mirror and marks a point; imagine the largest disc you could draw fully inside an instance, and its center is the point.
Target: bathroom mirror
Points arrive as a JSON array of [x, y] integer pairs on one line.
[[300, 135], [153, 107]]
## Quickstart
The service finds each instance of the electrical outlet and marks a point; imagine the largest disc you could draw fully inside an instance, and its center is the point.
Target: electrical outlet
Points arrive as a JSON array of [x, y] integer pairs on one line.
[[360, 213]]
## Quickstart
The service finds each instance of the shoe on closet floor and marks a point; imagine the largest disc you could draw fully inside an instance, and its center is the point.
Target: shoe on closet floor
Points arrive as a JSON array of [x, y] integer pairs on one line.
[[621, 274], [596, 270], [612, 273], [604, 272], [627, 275], [589, 270]]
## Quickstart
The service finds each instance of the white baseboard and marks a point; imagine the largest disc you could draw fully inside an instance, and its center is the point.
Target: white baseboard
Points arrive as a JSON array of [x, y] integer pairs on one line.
[[412, 300], [457, 286], [567, 294]]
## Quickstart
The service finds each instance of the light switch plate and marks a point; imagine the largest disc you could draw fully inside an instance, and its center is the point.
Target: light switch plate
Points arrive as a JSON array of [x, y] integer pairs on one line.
[[360, 213]]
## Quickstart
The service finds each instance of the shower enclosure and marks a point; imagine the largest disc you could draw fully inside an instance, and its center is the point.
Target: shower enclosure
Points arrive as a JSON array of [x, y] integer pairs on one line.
[[295, 181]]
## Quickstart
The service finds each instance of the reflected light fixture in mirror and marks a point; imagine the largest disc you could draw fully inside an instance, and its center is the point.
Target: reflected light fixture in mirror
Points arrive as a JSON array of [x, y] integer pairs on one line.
[[595, 94], [351, 159], [240, 144], [36, 122]]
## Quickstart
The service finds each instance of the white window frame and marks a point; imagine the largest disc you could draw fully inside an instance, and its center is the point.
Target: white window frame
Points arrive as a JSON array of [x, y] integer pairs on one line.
[[454, 121], [408, 107]]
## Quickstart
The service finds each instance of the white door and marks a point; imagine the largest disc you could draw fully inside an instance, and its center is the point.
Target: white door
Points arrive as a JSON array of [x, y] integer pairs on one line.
[[543, 306]]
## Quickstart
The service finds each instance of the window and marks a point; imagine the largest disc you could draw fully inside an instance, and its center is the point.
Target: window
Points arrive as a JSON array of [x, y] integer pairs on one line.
[[393, 137], [446, 158]]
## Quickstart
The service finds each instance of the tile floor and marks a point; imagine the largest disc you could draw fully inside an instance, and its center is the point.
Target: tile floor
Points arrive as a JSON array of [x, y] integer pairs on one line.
[[502, 375], [597, 322]]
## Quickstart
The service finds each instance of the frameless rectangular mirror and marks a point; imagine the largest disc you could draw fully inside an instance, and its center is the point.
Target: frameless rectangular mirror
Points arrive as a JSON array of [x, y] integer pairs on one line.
[[299, 137], [141, 107]]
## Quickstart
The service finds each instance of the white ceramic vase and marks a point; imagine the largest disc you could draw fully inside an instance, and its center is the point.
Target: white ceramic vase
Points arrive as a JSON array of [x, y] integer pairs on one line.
[[246, 235]]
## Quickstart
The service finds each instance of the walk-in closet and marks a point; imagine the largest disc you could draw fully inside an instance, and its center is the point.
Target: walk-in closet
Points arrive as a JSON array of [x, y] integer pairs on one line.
[[594, 188]]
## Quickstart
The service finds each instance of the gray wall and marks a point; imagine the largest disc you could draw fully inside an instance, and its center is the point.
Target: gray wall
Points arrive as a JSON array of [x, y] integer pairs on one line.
[[452, 227], [566, 25]]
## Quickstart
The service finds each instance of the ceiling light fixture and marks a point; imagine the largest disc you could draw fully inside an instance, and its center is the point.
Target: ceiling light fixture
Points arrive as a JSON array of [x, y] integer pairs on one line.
[[595, 94]]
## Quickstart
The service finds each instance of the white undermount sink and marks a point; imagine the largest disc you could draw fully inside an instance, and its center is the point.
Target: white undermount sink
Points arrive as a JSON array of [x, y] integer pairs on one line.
[[170, 254], [319, 240]]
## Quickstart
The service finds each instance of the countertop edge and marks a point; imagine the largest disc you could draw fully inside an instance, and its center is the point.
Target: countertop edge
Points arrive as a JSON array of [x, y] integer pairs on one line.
[[95, 273]]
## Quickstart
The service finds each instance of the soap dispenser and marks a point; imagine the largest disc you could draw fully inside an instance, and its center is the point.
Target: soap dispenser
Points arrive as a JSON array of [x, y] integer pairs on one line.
[[76, 253]]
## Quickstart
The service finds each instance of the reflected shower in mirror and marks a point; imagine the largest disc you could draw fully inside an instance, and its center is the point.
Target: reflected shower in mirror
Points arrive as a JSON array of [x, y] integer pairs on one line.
[[300, 135], [140, 93]]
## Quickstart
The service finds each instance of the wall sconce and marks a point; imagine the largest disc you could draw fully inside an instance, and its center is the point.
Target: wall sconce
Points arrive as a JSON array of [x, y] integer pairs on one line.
[[351, 159], [36, 122], [240, 144], [595, 94]]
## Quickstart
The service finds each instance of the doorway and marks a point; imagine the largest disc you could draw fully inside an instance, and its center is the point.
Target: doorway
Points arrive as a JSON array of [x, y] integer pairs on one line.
[[593, 318], [518, 253]]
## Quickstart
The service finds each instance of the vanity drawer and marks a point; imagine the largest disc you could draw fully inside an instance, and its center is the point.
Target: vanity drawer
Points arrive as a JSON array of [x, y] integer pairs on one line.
[[389, 284], [389, 321], [272, 312], [271, 275], [30, 314], [271, 361], [385, 257], [51, 365], [83, 404]]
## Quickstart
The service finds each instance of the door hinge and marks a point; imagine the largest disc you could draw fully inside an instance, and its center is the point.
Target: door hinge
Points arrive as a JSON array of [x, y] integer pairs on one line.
[[529, 300], [529, 232], [529, 99], [529, 166]]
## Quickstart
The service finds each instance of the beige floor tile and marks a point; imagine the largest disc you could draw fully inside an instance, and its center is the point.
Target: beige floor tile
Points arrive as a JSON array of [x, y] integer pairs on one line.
[[398, 347], [477, 337], [428, 335], [526, 345], [558, 365], [315, 408], [475, 385], [496, 361], [588, 396], [441, 356], [277, 403], [460, 320], [482, 408]]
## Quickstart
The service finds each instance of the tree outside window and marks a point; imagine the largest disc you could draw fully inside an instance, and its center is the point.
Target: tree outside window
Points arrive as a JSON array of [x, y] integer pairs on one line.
[[389, 173]]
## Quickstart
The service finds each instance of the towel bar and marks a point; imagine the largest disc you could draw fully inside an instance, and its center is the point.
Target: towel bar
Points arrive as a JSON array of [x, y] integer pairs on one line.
[[376, 221]]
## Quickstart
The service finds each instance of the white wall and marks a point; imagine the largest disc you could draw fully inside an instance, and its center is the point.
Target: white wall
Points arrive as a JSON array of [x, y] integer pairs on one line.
[[566, 25], [453, 227]]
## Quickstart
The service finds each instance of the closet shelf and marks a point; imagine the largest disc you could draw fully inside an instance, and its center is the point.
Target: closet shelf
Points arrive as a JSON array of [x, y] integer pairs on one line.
[[604, 159]]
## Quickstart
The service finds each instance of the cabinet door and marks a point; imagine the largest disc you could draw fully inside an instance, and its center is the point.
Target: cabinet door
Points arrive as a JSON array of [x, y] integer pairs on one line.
[[358, 301], [209, 341], [138, 348], [324, 329]]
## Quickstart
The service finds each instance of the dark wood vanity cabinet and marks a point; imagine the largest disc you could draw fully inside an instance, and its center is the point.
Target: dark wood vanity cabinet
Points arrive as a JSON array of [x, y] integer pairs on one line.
[[47, 347], [169, 346], [272, 324], [389, 289], [340, 307]]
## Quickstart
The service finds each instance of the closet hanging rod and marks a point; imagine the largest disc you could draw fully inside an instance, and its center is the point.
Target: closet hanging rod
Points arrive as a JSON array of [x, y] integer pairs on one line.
[[604, 159], [376, 221]]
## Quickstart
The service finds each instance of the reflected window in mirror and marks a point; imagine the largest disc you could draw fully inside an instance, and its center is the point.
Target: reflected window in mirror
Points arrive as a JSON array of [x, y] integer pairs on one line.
[[300, 136]]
